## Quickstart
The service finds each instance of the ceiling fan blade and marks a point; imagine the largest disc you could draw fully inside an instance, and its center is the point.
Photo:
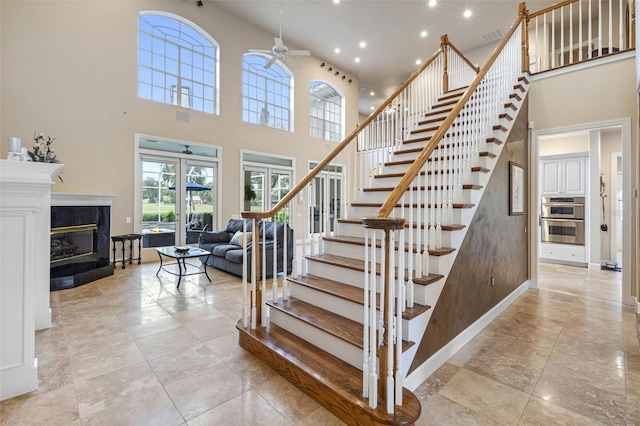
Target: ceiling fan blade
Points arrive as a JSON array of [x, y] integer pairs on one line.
[[271, 61], [260, 50], [300, 52], [278, 42]]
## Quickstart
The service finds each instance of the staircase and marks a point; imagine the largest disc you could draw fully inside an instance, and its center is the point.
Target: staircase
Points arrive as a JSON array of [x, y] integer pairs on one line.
[[314, 335]]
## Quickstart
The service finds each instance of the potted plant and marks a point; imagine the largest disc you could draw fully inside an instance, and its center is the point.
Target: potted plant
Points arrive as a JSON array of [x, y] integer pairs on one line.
[[249, 196]]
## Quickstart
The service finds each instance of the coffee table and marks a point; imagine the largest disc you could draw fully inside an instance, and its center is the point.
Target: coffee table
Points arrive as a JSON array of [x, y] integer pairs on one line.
[[181, 257]]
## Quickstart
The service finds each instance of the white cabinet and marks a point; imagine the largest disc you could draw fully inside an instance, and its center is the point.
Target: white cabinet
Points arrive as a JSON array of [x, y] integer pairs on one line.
[[564, 253], [564, 176]]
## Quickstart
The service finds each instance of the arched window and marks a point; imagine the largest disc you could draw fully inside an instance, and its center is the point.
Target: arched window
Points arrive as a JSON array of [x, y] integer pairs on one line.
[[266, 93], [177, 62], [325, 115]]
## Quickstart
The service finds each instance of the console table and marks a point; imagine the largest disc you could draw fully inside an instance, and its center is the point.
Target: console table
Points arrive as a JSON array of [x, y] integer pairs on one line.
[[123, 239]]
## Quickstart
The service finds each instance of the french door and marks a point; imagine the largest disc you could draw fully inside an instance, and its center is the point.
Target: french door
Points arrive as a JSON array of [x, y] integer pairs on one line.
[[269, 186], [324, 202], [179, 199]]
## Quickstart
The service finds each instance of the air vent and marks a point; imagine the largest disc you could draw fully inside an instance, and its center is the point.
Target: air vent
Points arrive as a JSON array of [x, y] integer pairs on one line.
[[492, 35]]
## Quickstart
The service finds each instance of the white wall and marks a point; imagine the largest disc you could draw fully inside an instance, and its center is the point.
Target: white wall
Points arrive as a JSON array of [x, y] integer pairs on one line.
[[564, 143], [69, 69]]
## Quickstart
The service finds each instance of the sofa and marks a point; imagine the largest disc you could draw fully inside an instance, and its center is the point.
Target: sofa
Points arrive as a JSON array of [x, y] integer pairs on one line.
[[226, 247], [198, 222]]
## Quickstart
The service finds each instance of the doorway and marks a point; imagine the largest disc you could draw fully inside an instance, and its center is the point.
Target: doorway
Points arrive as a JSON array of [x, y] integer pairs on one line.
[[616, 208], [177, 191], [325, 199]]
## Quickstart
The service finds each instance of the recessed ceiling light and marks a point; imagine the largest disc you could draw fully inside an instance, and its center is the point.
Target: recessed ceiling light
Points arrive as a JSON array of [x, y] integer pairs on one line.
[[432, 3], [467, 13], [337, 50], [363, 44], [372, 93], [372, 108], [423, 34], [336, 1], [418, 61], [357, 60]]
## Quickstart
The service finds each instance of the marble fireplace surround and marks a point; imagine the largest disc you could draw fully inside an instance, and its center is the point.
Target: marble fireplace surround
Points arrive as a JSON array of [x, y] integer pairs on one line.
[[82, 209]]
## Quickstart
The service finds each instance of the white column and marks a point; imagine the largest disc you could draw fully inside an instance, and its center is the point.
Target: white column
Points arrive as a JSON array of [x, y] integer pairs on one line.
[[25, 200]]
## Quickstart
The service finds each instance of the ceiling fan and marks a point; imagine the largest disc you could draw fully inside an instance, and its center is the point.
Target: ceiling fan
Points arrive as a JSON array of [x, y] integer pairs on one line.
[[281, 52]]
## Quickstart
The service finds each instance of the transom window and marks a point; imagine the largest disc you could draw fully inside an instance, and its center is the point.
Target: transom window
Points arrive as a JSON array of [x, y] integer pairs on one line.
[[266, 93], [325, 112], [177, 62]]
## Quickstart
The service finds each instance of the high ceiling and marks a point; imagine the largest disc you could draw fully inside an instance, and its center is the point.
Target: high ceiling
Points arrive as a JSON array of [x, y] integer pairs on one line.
[[390, 28]]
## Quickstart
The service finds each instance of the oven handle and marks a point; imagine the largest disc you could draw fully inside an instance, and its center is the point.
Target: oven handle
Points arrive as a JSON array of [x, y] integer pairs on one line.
[[562, 220], [562, 204]]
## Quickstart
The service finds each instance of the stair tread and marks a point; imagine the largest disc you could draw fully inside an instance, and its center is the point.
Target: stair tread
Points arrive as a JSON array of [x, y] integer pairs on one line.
[[426, 138], [332, 382], [348, 292], [448, 157], [360, 242], [454, 227], [400, 174], [338, 326], [421, 188], [414, 205], [358, 265]]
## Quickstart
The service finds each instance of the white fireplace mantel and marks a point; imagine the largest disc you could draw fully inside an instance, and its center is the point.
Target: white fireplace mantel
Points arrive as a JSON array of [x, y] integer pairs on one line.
[[25, 218]]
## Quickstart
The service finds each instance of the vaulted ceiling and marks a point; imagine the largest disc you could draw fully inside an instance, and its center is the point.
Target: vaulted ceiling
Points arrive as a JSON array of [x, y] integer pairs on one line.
[[391, 30]]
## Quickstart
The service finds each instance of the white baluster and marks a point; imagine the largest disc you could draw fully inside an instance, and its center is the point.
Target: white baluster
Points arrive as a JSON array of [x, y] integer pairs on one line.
[[366, 325]]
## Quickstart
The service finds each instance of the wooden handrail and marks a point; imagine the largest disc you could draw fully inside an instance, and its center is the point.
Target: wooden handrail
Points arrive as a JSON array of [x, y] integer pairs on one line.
[[552, 7], [415, 168], [464, 58], [303, 183]]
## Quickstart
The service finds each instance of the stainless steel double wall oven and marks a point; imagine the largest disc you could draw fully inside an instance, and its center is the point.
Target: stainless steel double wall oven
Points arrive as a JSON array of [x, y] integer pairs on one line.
[[563, 220]]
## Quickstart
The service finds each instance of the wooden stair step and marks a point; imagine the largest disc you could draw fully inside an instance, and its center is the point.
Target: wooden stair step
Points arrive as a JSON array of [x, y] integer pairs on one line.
[[333, 383], [442, 111], [358, 265], [430, 172], [348, 292], [427, 138], [448, 157], [360, 242], [455, 227], [422, 188], [336, 325], [414, 205]]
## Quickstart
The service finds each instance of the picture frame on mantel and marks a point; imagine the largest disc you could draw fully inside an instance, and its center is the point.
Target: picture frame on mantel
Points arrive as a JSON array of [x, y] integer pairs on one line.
[[516, 189]]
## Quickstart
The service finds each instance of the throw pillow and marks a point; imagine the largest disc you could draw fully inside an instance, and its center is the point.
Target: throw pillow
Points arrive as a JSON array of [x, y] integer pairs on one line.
[[241, 239]]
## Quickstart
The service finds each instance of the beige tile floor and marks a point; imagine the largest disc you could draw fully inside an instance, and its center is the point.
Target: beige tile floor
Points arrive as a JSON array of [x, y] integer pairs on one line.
[[131, 349]]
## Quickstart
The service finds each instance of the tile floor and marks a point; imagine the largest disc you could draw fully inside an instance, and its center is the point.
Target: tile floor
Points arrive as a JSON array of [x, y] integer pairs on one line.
[[131, 349]]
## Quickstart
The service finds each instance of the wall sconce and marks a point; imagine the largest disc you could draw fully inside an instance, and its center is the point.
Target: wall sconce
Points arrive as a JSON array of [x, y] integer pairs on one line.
[[344, 76], [330, 68], [322, 65], [349, 81], [337, 73], [199, 3]]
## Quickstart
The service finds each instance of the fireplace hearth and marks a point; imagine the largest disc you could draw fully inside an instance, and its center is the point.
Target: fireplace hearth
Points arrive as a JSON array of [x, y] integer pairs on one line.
[[79, 245]]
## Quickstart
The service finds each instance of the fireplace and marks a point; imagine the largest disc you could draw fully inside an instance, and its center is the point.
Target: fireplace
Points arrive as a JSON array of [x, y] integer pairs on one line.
[[79, 245]]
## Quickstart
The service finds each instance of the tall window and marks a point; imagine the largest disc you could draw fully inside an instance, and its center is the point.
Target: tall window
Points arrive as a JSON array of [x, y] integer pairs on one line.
[[325, 112], [177, 62], [266, 93]]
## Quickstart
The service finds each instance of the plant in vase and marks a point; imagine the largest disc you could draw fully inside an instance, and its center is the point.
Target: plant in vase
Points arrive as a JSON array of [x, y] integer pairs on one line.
[[249, 196], [42, 151]]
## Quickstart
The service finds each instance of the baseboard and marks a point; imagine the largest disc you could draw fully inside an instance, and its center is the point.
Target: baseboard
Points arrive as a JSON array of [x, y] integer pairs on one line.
[[594, 266], [428, 367]]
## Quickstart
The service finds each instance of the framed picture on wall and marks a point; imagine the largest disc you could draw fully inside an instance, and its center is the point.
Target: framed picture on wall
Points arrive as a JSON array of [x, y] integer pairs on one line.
[[516, 189]]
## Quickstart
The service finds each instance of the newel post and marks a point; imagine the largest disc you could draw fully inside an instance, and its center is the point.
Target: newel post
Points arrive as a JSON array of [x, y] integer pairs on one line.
[[387, 346], [444, 42], [524, 14]]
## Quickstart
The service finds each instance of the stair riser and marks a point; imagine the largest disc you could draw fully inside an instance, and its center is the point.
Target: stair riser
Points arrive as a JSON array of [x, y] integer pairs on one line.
[[385, 182], [355, 230], [337, 305], [337, 347], [356, 279], [381, 196], [359, 212], [357, 252], [402, 168], [402, 156]]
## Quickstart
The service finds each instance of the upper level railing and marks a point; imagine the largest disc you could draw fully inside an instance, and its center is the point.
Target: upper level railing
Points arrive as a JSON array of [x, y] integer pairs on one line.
[[575, 31]]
